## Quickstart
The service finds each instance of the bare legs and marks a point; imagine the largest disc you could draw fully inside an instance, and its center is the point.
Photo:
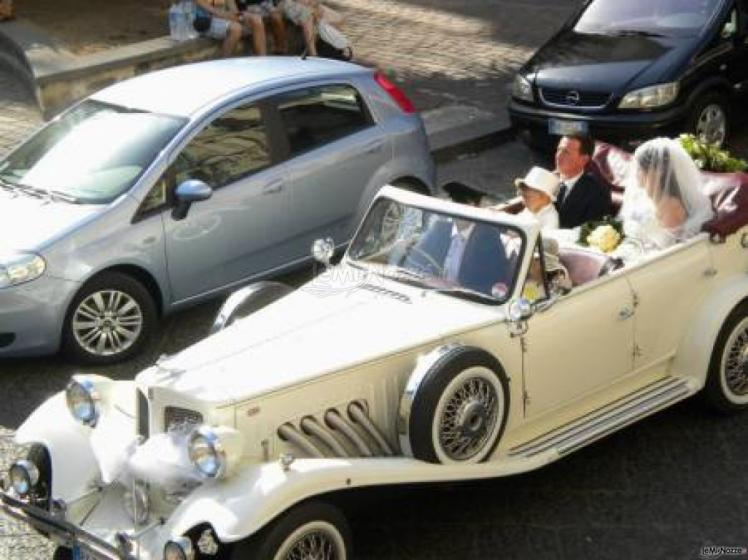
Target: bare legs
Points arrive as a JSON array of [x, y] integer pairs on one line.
[[259, 41], [232, 39], [279, 32]]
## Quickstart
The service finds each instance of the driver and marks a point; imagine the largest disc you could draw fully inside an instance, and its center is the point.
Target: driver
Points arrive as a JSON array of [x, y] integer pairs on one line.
[[464, 252]]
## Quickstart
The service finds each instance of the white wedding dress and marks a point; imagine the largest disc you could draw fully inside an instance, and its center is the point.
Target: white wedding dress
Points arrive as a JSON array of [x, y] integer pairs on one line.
[[661, 168]]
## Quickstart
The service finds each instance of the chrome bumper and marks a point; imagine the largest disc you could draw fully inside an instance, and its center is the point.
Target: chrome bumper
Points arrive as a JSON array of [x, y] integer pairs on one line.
[[60, 530]]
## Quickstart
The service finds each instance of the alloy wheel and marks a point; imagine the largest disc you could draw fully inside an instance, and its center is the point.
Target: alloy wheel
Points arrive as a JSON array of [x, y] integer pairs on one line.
[[107, 322], [711, 125]]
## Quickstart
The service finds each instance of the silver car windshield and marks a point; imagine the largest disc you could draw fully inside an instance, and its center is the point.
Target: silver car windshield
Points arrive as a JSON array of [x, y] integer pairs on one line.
[[91, 154], [676, 18], [454, 255]]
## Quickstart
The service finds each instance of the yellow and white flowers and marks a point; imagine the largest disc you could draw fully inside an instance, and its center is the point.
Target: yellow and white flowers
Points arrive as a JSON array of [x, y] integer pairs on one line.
[[604, 237]]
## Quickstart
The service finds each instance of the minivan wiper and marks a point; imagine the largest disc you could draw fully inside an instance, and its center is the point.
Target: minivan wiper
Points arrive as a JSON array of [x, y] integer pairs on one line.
[[635, 33]]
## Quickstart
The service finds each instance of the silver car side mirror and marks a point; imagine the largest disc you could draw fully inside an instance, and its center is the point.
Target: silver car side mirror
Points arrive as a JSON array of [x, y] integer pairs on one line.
[[520, 309], [323, 250], [188, 192]]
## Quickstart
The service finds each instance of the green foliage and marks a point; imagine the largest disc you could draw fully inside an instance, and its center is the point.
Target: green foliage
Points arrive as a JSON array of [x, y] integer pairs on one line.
[[709, 157]]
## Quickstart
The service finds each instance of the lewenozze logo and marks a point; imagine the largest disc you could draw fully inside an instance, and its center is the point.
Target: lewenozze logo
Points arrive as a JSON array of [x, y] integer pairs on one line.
[[715, 551]]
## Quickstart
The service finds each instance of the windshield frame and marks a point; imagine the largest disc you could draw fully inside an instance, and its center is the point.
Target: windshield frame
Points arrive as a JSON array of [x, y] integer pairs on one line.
[[460, 211], [181, 122]]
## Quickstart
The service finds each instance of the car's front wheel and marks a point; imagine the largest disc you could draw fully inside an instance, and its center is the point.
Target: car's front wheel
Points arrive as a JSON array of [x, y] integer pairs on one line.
[[110, 319], [709, 119], [727, 381], [310, 531]]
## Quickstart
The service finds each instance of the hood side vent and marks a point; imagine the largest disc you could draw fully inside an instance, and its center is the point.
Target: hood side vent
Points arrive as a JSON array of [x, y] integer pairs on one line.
[[354, 434], [143, 412], [385, 292]]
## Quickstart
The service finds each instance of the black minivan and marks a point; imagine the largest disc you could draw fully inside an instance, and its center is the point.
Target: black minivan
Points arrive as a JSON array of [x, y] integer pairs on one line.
[[625, 70]]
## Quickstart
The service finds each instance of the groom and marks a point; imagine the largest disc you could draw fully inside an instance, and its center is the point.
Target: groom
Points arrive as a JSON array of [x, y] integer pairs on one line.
[[580, 197]]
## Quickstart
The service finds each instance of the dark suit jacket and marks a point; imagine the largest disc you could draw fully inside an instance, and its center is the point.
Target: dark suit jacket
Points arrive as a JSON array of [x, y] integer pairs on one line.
[[588, 200], [484, 262]]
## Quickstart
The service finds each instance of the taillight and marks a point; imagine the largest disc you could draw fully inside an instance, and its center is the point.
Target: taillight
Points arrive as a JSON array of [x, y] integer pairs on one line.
[[397, 96]]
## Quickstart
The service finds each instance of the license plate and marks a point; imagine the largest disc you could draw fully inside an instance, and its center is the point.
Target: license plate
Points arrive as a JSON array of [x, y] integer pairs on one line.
[[560, 127]]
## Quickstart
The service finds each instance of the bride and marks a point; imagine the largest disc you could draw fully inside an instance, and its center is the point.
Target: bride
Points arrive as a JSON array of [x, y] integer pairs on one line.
[[664, 201]]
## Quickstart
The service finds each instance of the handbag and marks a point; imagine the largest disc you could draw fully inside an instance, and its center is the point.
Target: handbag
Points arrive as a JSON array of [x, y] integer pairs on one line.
[[201, 23]]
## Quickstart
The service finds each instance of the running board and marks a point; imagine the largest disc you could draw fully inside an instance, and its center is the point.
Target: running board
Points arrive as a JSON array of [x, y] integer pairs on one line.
[[607, 419]]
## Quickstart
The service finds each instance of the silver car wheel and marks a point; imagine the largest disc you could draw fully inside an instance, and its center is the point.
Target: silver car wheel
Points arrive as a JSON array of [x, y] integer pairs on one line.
[[107, 322], [711, 125], [734, 372], [316, 540], [467, 415]]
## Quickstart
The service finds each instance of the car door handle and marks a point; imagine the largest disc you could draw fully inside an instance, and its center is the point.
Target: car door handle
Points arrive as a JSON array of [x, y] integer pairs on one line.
[[625, 313], [272, 188], [374, 147]]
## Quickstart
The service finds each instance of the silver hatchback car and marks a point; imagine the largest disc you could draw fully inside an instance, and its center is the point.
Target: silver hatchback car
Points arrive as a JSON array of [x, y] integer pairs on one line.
[[169, 188]]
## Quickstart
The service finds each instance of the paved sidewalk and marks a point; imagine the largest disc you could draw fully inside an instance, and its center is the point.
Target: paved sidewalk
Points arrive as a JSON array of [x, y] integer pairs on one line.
[[19, 114]]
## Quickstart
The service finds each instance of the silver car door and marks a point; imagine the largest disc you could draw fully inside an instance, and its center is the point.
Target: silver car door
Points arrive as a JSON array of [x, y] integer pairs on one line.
[[334, 149], [240, 231]]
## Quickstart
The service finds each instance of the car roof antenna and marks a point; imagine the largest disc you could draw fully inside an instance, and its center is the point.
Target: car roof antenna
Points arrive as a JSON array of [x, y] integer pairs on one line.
[[304, 53]]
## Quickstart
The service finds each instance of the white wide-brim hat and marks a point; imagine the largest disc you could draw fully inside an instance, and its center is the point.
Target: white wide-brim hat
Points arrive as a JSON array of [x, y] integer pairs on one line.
[[541, 180]]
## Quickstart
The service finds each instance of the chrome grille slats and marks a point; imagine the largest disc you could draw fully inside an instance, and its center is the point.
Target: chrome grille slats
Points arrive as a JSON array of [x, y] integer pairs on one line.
[[143, 412], [567, 97], [175, 417]]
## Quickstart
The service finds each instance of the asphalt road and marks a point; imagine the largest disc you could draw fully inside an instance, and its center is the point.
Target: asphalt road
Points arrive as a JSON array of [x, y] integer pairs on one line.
[[661, 489]]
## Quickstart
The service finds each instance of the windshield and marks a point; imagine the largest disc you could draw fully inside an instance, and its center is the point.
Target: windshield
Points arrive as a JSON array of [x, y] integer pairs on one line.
[[672, 18], [91, 154], [459, 256]]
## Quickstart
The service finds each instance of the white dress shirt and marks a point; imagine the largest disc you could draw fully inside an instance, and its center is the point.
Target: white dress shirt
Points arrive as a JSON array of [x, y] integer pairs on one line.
[[547, 216]]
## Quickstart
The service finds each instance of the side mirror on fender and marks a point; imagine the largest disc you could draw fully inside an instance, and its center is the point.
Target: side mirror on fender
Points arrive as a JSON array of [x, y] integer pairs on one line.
[[323, 250], [188, 192]]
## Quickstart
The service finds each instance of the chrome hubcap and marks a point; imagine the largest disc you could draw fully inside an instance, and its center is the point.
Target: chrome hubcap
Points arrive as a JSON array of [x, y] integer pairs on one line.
[[469, 418], [735, 363], [316, 541], [711, 127], [107, 322]]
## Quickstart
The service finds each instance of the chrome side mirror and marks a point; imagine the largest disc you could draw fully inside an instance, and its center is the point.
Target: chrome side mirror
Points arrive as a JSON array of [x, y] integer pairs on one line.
[[323, 250], [520, 310], [188, 192]]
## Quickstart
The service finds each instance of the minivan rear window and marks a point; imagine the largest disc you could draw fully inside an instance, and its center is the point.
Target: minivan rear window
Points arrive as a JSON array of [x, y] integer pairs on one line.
[[671, 18]]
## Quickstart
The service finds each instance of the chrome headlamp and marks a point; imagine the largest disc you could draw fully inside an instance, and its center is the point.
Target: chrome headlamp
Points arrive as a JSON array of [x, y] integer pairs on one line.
[[17, 268], [650, 97], [24, 476], [206, 452], [522, 89], [83, 400], [179, 549], [213, 451]]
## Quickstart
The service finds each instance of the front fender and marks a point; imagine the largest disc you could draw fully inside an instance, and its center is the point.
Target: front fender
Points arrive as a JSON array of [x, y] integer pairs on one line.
[[238, 507], [695, 349], [68, 442]]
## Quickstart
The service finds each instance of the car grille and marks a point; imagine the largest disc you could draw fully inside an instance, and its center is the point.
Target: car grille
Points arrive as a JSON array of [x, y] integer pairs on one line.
[[178, 418], [143, 415], [574, 98]]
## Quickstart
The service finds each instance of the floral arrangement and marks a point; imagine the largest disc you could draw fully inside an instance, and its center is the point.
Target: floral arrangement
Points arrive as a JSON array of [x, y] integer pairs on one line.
[[709, 157], [605, 234]]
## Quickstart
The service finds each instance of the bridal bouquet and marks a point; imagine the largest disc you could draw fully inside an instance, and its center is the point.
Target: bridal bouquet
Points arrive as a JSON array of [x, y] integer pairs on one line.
[[604, 235]]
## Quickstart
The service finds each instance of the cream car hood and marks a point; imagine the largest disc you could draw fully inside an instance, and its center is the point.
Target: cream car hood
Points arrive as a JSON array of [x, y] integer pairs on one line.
[[319, 329]]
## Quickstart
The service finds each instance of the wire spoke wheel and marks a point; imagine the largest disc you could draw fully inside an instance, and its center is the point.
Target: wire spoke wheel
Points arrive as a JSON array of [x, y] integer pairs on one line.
[[735, 361], [316, 540], [468, 418], [107, 322]]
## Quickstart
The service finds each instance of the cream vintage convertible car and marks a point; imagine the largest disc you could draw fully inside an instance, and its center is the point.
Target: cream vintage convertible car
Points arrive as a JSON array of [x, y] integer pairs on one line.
[[395, 366]]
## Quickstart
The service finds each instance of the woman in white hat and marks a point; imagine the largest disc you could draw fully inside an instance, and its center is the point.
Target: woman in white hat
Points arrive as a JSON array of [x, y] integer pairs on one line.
[[538, 191]]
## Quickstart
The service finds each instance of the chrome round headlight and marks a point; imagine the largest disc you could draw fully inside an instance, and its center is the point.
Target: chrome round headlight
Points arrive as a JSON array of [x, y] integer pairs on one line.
[[179, 549], [83, 400], [24, 476], [206, 452]]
